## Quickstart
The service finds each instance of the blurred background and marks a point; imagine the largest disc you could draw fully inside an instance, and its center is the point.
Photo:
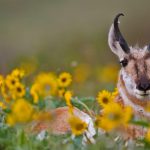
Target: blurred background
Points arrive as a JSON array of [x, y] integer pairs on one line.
[[69, 35]]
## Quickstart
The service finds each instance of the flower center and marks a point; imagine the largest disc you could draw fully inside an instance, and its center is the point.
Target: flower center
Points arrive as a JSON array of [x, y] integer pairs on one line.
[[13, 82], [64, 79], [79, 126], [105, 100], [19, 89], [112, 116]]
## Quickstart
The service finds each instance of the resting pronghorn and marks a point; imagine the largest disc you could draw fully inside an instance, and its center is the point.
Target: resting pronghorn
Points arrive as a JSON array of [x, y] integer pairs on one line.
[[133, 85]]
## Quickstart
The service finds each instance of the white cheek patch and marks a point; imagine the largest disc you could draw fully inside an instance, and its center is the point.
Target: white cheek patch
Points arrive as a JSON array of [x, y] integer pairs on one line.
[[129, 83]]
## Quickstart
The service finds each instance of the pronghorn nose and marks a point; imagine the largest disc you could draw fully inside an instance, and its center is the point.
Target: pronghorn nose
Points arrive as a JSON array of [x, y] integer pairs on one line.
[[143, 86]]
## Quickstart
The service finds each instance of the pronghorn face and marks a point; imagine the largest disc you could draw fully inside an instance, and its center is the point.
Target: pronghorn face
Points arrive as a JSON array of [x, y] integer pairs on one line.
[[135, 62]]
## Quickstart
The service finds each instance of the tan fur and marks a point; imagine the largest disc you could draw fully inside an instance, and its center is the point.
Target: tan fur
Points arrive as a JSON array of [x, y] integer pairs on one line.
[[58, 124], [138, 66]]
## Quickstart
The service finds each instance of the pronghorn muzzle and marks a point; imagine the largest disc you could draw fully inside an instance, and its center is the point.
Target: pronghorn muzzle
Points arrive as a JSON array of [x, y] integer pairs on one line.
[[143, 85]]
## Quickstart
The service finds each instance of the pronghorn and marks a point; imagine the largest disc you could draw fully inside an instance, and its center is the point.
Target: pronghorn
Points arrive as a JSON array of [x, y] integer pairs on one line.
[[134, 76], [133, 85]]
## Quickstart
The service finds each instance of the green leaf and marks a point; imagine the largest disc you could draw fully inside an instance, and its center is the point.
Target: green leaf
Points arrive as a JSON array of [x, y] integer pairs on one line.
[[141, 123]]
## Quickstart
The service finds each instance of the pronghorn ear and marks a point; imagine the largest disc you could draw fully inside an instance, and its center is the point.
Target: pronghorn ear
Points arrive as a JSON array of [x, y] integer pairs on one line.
[[115, 39]]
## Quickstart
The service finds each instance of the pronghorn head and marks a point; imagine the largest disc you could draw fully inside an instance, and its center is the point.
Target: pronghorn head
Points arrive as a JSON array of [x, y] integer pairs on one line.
[[135, 62]]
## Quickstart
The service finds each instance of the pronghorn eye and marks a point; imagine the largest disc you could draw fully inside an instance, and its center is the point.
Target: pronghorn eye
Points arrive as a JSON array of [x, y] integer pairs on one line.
[[124, 62]]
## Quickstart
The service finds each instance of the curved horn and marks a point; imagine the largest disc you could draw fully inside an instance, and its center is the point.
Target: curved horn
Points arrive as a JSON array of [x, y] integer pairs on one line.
[[119, 36], [115, 36]]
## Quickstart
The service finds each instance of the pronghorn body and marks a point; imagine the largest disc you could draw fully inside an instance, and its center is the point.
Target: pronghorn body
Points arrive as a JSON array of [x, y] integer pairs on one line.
[[133, 85]]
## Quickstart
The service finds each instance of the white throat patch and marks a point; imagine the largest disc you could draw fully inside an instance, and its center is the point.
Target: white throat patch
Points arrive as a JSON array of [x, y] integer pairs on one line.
[[129, 84]]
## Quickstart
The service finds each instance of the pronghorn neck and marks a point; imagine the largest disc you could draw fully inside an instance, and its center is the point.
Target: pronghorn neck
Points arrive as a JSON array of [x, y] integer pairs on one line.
[[130, 100]]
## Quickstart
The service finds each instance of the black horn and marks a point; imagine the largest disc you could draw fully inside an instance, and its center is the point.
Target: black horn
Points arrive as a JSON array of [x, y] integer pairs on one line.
[[119, 36]]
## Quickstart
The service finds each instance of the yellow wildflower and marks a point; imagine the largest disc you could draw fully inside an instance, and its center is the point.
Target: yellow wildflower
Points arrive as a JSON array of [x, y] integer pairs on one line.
[[10, 120], [81, 73], [104, 98], [11, 81], [78, 126], [115, 93], [2, 105], [147, 137], [61, 92], [48, 84], [64, 79], [34, 92], [68, 96], [114, 116], [45, 85], [18, 73], [22, 112], [108, 73], [5, 92], [1, 80], [98, 121], [18, 91]]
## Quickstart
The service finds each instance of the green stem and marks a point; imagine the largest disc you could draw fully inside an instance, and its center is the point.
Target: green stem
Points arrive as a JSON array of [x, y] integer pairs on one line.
[[84, 105]]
